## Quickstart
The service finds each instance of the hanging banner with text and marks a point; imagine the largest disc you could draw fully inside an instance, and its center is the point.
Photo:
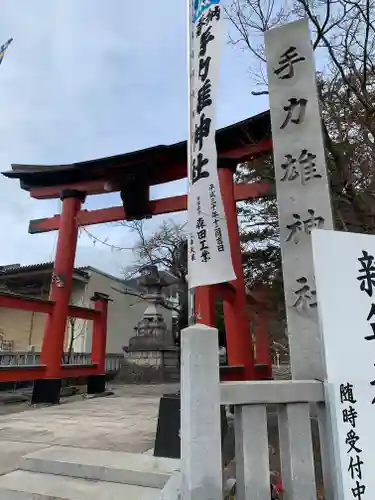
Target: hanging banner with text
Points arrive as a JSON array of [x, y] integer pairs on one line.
[[210, 259], [302, 187], [345, 284]]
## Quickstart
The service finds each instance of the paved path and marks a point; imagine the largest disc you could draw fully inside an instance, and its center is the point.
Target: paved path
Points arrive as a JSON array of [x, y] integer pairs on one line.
[[124, 422]]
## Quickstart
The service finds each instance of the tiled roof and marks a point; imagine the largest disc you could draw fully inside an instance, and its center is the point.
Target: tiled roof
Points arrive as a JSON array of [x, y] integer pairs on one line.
[[43, 266]]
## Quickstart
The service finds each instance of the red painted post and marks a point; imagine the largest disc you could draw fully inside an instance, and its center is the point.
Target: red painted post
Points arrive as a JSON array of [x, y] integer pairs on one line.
[[204, 298], [96, 383], [239, 344], [47, 390], [61, 286], [99, 332]]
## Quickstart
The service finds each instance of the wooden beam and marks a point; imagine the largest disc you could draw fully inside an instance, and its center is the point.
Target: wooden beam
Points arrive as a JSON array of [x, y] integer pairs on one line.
[[16, 373], [83, 313], [25, 303], [167, 174], [12, 301], [88, 187], [157, 207], [248, 151]]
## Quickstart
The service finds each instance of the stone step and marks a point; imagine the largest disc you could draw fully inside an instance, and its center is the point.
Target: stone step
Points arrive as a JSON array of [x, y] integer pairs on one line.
[[102, 465], [24, 485]]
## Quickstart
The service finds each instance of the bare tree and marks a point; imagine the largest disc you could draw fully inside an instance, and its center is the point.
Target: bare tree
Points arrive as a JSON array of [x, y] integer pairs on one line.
[[344, 42], [164, 248], [344, 39], [167, 249], [140, 297], [343, 28], [76, 328]]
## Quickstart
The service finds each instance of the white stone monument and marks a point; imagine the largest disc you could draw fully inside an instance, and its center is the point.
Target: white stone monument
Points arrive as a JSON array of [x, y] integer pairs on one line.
[[303, 203], [345, 284], [301, 184]]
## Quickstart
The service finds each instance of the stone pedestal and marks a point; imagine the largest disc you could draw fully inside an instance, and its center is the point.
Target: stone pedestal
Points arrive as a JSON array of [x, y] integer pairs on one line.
[[152, 365]]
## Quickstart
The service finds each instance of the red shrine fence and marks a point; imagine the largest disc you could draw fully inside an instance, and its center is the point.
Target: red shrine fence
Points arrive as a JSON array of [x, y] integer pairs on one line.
[[40, 370]]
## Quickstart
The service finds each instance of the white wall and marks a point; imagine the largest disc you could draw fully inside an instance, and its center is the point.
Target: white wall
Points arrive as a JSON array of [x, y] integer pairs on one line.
[[79, 298], [123, 313]]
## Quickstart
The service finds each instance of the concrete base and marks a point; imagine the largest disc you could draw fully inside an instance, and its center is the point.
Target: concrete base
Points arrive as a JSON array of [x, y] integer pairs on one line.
[[96, 384], [101, 465], [21, 485], [60, 472], [15, 450], [172, 490], [46, 391]]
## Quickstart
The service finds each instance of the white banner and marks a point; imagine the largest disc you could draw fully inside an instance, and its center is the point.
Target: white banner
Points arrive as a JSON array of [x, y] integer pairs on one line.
[[210, 259]]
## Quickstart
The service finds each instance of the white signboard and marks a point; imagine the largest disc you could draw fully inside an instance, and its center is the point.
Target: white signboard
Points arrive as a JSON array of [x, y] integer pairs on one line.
[[210, 259], [345, 284], [301, 183]]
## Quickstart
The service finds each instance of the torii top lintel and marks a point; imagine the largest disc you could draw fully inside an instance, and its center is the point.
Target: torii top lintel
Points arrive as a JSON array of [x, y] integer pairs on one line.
[[238, 142]]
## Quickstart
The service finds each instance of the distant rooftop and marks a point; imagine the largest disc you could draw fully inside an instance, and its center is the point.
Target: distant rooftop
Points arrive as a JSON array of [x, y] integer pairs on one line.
[[15, 269], [11, 270]]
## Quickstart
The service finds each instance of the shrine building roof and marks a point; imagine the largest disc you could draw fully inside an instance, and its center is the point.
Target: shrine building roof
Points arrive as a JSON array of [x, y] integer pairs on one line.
[[238, 142]]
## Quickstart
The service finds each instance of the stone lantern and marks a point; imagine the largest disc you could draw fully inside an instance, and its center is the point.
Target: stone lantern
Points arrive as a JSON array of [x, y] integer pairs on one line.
[[151, 330]]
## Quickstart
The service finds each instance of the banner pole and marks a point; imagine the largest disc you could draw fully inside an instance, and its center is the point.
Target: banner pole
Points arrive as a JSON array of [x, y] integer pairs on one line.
[[190, 69]]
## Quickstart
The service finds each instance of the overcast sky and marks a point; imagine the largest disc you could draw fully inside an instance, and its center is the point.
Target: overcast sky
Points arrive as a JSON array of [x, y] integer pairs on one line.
[[85, 79]]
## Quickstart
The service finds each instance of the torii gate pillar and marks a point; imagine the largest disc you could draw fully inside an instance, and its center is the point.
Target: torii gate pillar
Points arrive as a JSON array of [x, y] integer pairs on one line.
[[60, 291], [239, 343]]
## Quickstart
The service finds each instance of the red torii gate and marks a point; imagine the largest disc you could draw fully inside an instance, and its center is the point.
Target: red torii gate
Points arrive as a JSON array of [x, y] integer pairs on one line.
[[132, 174]]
